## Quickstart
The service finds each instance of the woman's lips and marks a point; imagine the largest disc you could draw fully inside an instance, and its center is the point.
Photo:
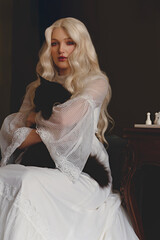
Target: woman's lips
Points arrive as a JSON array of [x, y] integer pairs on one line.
[[62, 59]]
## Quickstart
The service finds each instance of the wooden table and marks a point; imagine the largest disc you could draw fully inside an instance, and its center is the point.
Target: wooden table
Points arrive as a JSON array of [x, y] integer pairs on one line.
[[143, 149]]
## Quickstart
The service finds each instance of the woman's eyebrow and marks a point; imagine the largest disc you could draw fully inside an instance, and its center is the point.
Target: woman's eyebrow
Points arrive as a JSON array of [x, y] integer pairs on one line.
[[69, 38]]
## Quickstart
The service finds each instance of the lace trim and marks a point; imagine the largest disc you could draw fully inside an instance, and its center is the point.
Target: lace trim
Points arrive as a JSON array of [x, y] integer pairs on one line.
[[43, 134], [67, 167], [61, 162], [8, 192], [19, 136]]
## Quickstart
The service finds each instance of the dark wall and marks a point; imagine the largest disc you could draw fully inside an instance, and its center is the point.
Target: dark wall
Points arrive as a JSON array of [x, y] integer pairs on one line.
[[126, 35], [25, 47], [19, 46], [5, 57]]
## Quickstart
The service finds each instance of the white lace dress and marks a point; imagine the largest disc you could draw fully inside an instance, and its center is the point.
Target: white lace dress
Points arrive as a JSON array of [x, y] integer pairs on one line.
[[64, 203]]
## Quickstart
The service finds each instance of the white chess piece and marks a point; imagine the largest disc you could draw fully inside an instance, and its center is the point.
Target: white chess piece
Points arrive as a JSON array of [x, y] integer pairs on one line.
[[156, 118], [148, 120]]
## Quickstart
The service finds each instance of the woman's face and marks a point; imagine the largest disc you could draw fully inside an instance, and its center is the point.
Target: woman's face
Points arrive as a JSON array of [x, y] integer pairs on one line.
[[61, 48]]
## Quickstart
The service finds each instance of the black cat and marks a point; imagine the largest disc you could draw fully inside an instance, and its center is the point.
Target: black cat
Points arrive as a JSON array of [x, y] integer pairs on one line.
[[48, 94]]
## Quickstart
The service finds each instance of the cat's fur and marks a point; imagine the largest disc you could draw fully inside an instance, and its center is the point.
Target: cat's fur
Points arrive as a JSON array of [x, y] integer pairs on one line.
[[48, 94]]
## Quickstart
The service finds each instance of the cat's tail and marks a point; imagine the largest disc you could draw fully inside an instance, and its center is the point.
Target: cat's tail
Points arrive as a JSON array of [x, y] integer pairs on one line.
[[97, 171]]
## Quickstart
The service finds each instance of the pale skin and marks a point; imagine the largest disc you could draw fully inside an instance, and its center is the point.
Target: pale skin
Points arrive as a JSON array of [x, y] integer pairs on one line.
[[61, 48]]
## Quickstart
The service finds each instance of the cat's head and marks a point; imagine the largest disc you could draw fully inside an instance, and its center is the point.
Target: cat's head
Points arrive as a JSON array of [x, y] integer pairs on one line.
[[48, 94]]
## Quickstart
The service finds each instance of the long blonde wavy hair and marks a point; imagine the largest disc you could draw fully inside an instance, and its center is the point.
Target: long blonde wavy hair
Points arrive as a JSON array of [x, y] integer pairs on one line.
[[83, 62]]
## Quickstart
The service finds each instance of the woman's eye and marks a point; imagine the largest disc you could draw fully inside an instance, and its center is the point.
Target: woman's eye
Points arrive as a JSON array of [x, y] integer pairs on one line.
[[70, 43], [53, 44]]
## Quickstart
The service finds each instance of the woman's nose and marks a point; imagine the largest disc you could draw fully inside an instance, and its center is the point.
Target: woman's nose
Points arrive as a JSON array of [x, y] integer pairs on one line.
[[61, 48]]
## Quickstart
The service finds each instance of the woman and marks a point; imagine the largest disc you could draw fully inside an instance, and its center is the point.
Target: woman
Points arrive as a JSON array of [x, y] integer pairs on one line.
[[63, 203]]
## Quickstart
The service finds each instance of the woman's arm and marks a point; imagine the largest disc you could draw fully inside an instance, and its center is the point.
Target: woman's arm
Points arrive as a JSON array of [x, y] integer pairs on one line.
[[31, 139], [71, 128]]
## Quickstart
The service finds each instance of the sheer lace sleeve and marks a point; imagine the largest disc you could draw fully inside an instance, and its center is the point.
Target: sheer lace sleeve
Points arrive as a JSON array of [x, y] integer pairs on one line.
[[13, 131], [69, 132]]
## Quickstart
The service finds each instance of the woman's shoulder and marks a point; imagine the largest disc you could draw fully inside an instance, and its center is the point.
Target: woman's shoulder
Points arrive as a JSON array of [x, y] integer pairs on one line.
[[96, 76], [32, 85], [27, 103], [99, 79]]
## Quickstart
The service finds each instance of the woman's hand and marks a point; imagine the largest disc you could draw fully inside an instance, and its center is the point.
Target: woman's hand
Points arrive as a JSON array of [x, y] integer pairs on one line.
[[30, 121]]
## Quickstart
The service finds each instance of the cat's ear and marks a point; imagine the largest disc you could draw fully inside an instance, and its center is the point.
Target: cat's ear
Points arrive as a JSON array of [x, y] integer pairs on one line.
[[42, 80]]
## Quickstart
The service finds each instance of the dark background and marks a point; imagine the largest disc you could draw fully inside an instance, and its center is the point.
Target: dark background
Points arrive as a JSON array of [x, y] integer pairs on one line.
[[126, 35]]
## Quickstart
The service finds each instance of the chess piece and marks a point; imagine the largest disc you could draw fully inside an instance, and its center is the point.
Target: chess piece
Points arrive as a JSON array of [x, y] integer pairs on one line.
[[148, 120], [156, 118]]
